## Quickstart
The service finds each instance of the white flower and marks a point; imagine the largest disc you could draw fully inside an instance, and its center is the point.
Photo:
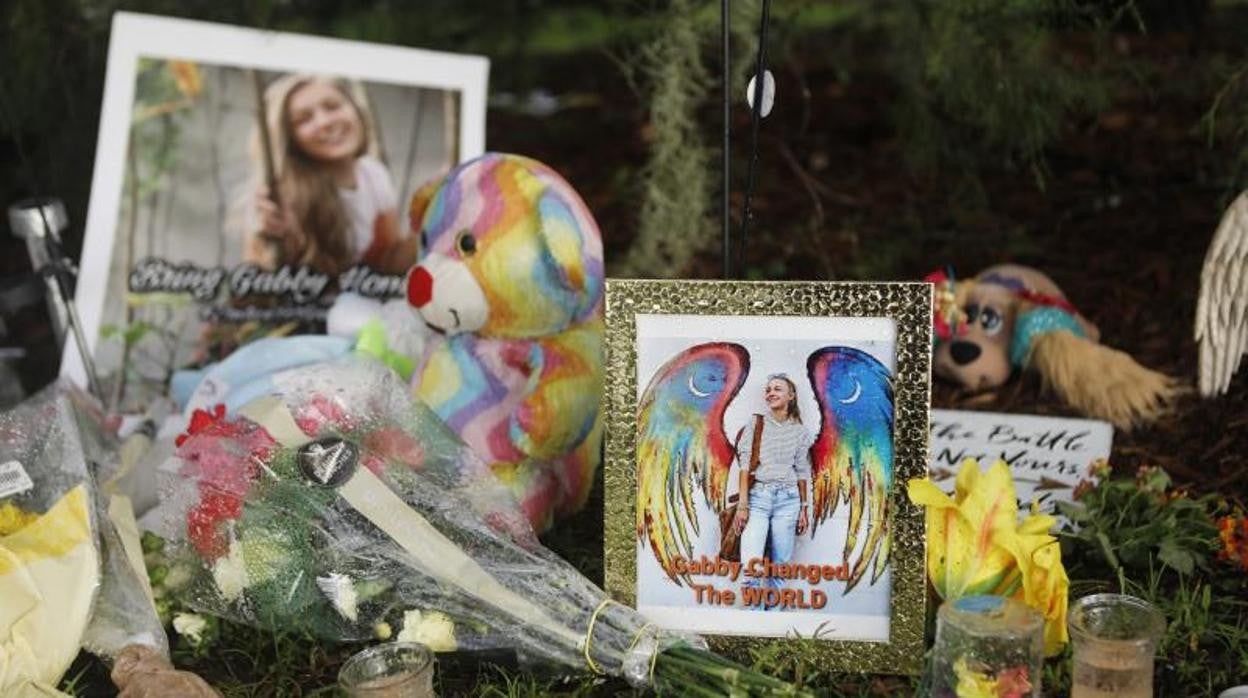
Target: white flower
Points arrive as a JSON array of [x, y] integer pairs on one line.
[[179, 576], [341, 593], [190, 626], [411, 619], [230, 573], [431, 629]]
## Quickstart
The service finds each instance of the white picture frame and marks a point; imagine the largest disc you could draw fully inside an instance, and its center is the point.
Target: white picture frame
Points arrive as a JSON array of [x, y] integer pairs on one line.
[[136, 36]]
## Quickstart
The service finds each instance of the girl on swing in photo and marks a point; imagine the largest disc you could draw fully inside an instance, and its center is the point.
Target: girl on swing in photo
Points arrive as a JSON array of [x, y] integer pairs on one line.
[[335, 204]]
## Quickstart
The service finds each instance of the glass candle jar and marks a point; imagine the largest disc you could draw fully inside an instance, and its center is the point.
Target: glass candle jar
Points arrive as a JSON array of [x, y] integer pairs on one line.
[[987, 646], [392, 670], [1114, 638]]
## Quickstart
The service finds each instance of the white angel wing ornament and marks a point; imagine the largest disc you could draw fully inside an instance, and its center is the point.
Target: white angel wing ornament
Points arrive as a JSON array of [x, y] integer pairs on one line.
[[1222, 310]]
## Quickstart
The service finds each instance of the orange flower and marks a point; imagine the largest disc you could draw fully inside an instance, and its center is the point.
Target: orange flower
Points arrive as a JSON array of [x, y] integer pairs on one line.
[[186, 75], [1099, 468], [1233, 530]]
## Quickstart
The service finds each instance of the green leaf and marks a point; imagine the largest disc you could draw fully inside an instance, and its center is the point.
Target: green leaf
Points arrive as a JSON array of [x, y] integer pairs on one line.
[[1077, 513], [1108, 550], [1176, 557], [136, 332]]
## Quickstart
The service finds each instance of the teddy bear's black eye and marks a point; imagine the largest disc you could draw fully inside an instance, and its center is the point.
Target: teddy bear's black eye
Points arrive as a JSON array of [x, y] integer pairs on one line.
[[991, 321], [467, 244], [424, 240]]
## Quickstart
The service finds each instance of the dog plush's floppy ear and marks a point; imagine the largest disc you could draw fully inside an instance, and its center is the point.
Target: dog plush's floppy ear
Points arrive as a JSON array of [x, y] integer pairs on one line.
[[1099, 381]]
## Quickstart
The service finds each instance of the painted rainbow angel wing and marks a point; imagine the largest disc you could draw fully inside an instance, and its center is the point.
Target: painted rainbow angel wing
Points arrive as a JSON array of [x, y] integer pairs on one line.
[[681, 443], [852, 457]]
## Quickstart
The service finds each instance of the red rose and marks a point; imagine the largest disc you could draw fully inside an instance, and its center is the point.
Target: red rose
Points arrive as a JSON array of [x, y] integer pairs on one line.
[[203, 522], [392, 443], [321, 413]]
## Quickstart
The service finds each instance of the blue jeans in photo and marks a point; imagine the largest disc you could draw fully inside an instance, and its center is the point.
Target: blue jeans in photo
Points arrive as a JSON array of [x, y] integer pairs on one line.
[[772, 528]]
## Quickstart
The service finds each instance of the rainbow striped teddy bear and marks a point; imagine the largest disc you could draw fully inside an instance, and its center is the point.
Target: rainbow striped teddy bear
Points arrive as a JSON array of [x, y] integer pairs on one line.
[[510, 279]]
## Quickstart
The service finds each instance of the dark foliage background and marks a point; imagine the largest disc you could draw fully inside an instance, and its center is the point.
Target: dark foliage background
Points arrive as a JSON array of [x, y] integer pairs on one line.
[[908, 122]]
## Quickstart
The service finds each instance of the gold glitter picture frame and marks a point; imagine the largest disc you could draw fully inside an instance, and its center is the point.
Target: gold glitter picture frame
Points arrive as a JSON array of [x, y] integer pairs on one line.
[[687, 366]]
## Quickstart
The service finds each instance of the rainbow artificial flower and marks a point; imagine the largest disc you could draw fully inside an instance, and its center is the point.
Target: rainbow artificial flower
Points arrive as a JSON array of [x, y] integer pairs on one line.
[[977, 546]]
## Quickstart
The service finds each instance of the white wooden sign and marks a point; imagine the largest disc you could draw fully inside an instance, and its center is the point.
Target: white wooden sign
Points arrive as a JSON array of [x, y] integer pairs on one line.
[[1048, 456]]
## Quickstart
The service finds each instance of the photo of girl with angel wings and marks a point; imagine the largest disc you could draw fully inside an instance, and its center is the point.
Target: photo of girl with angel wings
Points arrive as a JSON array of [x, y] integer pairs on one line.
[[807, 468]]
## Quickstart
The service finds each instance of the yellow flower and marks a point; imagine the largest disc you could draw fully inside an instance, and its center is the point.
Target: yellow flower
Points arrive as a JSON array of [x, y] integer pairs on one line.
[[975, 545], [971, 683], [964, 555], [1045, 585], [432, 629], [13, 518]]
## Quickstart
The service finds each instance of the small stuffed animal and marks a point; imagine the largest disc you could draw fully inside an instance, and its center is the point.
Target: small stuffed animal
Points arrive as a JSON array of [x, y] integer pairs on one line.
[[511, 280], [1014, 317]]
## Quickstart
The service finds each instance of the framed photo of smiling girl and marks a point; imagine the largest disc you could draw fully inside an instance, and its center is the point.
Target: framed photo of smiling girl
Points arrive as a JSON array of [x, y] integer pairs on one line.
[[759, 435], [245, 179]]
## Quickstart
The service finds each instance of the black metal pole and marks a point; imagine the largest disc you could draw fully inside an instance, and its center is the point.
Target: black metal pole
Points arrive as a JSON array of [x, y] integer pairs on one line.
[[726, 21], [39, 222], [747, 213]]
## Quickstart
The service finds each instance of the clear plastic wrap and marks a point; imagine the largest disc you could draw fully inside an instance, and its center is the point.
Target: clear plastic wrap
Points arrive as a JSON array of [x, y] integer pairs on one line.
[[124, 613], [70, 558], [125, 629], [49, 559], [341, 507]]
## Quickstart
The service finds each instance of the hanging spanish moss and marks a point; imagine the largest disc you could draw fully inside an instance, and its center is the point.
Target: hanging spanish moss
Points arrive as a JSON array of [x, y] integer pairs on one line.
[[677, 68]]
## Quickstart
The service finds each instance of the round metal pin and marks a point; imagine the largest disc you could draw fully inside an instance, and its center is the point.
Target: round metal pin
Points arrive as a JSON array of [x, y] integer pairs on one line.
[[769, 94], [329, 461]]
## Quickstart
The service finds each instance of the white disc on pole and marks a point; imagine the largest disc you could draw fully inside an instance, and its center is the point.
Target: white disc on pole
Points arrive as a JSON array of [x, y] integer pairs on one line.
[[769, 93]]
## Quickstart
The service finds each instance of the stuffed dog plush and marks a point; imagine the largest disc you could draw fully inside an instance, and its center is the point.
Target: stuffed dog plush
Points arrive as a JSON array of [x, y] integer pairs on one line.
[[1013, 317], [510, 279]]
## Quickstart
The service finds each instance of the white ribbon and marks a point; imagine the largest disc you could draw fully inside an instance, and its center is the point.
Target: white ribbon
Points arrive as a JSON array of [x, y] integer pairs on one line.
[[434, 554]]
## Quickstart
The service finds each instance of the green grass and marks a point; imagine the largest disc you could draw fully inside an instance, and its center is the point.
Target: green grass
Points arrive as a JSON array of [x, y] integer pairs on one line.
[[1205, 647]]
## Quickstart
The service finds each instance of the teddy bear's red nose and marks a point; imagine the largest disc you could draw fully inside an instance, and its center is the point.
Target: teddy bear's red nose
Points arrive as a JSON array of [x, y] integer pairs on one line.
[[419, 286]]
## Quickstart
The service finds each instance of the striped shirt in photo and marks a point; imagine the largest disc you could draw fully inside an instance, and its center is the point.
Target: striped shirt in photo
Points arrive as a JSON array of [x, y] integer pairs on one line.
[[784, 456]]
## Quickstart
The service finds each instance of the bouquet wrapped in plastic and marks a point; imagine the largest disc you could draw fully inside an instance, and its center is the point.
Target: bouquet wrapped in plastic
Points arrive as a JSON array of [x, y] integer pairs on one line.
[[68, 577], [340, 507], [49, 559]]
